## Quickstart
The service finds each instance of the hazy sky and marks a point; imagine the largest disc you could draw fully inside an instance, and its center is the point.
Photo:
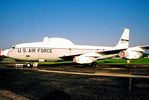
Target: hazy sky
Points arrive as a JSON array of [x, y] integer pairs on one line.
[[93, 22]]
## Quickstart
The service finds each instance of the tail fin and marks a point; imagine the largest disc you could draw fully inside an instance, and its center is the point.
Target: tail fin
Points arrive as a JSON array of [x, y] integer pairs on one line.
[[124, 40]]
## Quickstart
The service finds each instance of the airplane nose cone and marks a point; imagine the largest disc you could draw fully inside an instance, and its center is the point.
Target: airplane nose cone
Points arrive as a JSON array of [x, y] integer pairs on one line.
[[0, 52], [5, 52]]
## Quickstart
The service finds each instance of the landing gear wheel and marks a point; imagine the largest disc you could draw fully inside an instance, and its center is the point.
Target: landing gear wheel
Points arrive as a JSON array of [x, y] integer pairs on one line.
[[28, 65], [94, 65]]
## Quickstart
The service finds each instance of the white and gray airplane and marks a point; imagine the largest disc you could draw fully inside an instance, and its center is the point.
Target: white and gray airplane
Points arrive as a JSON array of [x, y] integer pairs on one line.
[[56, 49]]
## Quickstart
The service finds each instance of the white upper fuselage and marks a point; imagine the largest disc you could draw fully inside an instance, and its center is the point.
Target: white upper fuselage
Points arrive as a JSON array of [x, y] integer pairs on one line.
[[51, 49]]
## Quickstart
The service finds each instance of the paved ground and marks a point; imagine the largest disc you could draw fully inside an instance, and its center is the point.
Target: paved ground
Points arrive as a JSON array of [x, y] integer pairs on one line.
[[39, 85]]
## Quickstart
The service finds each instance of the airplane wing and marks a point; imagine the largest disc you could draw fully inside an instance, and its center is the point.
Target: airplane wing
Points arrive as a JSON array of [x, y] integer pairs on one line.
[[91, 56], [111, 51], [144, 47], [69, 57], [139, 48]]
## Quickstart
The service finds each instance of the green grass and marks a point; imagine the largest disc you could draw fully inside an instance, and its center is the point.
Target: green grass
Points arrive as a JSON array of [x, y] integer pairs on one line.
[[106, 61], [61, 62], [124, 61]]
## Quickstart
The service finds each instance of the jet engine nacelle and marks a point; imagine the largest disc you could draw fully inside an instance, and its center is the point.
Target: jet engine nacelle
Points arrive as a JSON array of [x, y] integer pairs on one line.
[[83, 60], [130, 54]]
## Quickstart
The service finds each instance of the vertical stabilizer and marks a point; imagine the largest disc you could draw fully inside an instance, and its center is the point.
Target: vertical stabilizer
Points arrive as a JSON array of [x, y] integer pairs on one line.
[[124, 40]]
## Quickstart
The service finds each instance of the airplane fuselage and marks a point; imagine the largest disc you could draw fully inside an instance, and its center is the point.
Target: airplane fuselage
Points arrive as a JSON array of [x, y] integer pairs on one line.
[[54, 49], [51, 53]]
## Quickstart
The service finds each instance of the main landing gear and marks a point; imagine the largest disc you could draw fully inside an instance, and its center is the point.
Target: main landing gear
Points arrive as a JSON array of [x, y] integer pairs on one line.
[[94, 64], [32, 65], [27, 65]]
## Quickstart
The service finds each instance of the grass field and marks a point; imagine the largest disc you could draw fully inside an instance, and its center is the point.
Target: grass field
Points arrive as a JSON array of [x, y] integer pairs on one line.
[[124, 61], [106, 61]]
